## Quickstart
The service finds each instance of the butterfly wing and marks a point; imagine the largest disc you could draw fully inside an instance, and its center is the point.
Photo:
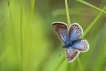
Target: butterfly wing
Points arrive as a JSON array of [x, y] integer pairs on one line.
[[60, 29], [71, 54], [82, 46], [75, 32]]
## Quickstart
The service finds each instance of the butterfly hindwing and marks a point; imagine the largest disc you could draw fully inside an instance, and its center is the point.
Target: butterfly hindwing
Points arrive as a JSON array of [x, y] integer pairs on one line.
[[60, 29], [82, 46], [71, 54], [75, 32]]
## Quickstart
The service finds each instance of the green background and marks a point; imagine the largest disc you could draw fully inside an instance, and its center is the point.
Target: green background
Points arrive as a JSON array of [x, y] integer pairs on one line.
[[27, 38]]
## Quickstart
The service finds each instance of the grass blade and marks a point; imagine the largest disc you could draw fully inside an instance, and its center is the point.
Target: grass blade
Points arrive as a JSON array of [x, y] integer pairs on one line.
[[94, 21], [56, 69], [79, 62], [4, 54], [86, 3], [67, 12], [21, 39]]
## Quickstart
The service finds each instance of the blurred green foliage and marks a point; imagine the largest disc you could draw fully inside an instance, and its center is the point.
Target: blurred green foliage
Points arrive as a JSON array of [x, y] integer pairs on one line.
[[27, 38]]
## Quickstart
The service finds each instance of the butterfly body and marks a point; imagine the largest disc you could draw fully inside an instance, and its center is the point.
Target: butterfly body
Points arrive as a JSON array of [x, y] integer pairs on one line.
[[71, 37], [71, 43]]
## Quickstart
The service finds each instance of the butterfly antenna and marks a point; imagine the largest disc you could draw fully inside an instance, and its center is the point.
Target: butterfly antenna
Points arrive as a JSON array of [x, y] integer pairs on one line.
[[60, 52], [55, 43]]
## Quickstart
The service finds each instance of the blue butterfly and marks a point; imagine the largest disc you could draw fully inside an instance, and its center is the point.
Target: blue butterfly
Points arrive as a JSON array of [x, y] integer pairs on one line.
[[71, 37]]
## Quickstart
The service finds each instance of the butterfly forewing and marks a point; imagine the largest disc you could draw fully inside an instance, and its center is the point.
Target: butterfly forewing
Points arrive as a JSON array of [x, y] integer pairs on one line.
[[75, 32], [82, 46], [60, 29]]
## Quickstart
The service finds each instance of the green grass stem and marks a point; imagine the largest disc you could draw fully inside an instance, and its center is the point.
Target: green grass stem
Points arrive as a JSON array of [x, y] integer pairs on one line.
[[69, 67], [67, 13], [90, 5], [21, 34], [93, 22], [12, 26], [30, 36], [4, 54], [79, 62], [60, 63]]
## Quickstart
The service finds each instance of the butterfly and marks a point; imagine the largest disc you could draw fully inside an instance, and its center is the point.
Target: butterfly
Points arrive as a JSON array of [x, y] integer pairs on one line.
[[71, 37]]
